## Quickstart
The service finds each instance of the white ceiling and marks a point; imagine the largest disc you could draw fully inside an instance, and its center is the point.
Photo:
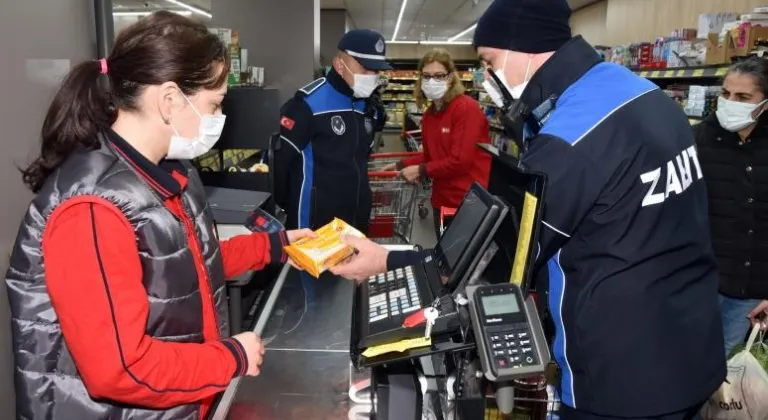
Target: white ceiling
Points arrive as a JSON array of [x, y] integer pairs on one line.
[[423, 20]]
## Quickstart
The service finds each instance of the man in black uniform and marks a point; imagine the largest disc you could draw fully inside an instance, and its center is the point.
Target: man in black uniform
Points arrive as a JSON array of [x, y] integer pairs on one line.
[[326, 131], [632, 278]]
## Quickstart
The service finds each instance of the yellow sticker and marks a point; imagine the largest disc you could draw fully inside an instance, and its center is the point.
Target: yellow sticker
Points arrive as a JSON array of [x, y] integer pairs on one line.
[[397, 347], [655, 73], [524, 239], [680, 73], [643, 74], [722, 71], [698, 73]]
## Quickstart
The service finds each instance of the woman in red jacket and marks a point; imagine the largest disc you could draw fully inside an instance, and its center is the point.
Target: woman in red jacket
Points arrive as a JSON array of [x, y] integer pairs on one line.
[[451, 129], [117, 277]]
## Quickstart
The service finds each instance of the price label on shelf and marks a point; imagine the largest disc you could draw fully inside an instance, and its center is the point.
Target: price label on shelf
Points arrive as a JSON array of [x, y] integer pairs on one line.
[[698, 73], [680, 73], [655, 73], [643, 74], [722, 71]]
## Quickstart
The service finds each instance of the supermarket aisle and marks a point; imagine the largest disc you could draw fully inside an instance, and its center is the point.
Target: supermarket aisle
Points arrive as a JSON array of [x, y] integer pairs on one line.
[[423, 232]]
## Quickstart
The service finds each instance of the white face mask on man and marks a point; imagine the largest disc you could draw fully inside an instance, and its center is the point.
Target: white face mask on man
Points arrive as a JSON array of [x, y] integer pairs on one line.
[[364, 84], [494, 91], [208, 133], [735, 116]]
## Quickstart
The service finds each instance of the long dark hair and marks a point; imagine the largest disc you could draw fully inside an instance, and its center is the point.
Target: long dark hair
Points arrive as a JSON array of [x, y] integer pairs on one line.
[[756, 67], [160, 48]]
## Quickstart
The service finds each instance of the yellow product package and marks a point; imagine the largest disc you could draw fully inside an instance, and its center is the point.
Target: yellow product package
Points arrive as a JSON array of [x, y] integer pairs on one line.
[[316, 255]]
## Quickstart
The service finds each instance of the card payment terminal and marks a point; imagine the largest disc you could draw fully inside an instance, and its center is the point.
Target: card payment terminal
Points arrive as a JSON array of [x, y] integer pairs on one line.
[[510, 338]]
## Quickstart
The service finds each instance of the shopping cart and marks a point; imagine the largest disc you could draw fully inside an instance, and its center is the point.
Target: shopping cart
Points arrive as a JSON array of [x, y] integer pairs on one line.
[[412, 140], [393, 201], [424, 191]]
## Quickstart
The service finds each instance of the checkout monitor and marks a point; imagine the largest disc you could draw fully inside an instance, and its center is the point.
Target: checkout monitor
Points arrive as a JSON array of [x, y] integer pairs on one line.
[[516, 241], [389, 298]]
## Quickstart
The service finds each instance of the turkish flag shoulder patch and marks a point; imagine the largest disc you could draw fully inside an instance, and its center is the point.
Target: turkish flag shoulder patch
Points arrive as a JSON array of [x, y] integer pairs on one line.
[[287, 123]]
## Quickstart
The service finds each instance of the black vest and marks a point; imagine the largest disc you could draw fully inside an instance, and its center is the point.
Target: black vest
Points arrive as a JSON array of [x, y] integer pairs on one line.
[[736, 174], [46, 379]]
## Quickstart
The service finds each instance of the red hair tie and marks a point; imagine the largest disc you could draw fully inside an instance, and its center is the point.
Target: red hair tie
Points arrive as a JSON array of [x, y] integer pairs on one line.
[[104, 68]]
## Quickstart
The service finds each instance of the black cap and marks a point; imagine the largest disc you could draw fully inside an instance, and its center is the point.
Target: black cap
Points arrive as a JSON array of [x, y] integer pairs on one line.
[[527, 26], [367, 47]]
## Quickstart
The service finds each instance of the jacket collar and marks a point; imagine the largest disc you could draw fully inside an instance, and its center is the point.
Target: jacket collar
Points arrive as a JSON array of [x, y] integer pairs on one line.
[[562, 70], [168, 178], [339, 84]]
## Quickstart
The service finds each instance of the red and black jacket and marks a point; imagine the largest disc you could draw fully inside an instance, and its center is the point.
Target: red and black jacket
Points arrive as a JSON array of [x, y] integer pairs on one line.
[[119, 258]]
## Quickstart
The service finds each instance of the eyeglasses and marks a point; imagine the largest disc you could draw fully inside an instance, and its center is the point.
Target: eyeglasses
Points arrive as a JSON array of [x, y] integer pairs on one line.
[[439, 77]]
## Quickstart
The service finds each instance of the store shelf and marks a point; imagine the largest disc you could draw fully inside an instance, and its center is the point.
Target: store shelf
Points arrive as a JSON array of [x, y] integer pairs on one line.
[[685, 73]]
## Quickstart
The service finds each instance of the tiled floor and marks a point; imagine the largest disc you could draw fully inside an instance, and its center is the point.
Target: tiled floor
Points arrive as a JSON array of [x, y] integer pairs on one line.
[[423, 232]]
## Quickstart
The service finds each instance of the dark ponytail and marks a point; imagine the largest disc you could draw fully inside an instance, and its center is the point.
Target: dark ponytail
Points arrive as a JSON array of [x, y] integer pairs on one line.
[[159, 48], [78, 111]]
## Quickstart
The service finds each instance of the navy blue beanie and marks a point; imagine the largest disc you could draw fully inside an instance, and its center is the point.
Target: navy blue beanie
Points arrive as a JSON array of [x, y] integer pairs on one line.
[[527, 26]]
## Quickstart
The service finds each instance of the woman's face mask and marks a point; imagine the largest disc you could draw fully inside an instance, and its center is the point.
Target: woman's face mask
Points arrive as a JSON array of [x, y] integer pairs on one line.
[[735, 116], [208, 133], [434, 89]]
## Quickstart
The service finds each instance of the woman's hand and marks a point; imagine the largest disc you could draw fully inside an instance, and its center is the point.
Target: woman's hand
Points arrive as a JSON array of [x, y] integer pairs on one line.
[[254, 351], [760, 310], [371, 259], [411, 173], [389, 168], [295, 235]]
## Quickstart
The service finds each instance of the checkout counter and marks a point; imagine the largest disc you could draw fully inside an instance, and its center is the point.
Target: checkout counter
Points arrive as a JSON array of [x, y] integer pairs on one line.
[[307, 374]]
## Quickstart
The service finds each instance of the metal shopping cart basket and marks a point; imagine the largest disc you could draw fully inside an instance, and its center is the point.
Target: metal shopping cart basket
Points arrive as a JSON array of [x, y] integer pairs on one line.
[[424, 190], [412, 140], [393, 202]]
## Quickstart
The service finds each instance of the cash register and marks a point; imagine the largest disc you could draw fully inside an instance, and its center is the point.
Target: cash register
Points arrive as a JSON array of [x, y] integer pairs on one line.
[[386, 300], [499, 319]]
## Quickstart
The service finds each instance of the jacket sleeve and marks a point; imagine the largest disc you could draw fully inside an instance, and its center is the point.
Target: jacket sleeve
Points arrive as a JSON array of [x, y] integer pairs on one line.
[[466, 131], [410, 161], [295, 134], [94, 279], [400, 259], [252, 252], [573, 185]]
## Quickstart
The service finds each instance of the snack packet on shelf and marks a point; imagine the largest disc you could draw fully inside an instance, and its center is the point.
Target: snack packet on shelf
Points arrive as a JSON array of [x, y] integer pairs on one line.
[[315, 255]]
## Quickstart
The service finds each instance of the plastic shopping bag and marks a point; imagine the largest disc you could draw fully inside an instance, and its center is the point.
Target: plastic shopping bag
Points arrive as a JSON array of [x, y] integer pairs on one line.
[[744, 395]]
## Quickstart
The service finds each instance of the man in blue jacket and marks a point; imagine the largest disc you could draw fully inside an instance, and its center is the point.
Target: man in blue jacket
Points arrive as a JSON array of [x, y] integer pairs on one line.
[[327, 130], [632, 278]]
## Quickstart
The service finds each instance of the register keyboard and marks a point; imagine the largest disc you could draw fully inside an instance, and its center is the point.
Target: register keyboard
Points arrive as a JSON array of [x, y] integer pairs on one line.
[[393, 293], [385, 302]]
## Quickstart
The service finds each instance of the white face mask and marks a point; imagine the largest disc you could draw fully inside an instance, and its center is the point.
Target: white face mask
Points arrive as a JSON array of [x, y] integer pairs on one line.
[[208, 134], [434, 89], [734, 116], [364, 84], [494, 91]]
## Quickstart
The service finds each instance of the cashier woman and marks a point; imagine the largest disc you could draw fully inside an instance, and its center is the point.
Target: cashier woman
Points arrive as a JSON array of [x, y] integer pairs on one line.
[[625, 237], [116, 281]]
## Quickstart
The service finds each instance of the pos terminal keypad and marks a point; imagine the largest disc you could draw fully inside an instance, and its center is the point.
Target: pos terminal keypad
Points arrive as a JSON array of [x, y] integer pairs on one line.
[[512, 347]]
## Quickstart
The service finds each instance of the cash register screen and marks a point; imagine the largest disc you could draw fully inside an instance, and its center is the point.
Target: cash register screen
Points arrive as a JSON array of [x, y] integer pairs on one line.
[[456, 237], [500, 305]]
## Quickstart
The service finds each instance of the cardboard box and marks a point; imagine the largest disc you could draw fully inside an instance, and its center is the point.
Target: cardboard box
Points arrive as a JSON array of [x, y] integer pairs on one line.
[[315, 255], [722, 53]]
